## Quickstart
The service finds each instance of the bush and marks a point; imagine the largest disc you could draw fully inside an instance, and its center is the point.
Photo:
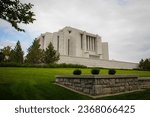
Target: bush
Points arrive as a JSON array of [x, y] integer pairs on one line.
[[62, 65], [77, 72], [95, 71], [111, 71], [10, 64]]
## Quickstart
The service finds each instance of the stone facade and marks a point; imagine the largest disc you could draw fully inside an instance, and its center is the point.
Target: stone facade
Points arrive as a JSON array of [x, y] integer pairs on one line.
[[76, 43], [80, 47], [96, 85]]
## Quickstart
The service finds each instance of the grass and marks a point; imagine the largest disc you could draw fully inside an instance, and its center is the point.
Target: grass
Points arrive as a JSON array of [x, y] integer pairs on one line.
[[37, 83], [139, 95]]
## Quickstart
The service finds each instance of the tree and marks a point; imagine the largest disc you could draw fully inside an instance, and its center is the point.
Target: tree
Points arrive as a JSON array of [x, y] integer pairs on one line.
[[35, 54], [17, 53], [2, 56], [51, 55], [7, 52], [16, 13], [145, 64], [141, 64], [12, 56]]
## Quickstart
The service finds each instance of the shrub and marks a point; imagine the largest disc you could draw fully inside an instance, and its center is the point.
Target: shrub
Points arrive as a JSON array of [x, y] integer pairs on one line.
[[62, 65], [95, 71], [111, 71], [77, 72], [10, 64]]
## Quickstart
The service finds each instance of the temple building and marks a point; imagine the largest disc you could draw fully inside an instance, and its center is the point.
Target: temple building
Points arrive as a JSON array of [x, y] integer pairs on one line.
[[77, 43], [80, 47]]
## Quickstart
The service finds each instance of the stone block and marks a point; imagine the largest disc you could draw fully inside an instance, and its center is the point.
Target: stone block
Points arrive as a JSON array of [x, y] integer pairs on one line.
[[98, 90], [100, 81], [86, 91], [107, 91], [121, 89], [117, 80], [106, 82], [115, 89], [77, 85], [76, 80], [112, 82], [89, 86]]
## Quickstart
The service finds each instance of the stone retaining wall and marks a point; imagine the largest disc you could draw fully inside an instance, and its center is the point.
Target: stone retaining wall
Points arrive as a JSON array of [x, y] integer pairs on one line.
[[99, 85], [144, 82]]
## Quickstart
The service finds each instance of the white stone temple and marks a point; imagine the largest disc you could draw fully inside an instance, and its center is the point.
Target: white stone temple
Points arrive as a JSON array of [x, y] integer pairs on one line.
[[80, 47], [77, 43]]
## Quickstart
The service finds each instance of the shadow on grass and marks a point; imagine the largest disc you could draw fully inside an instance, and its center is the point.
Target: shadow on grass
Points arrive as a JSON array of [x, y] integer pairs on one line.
[[6, 93], [25, 91], [49, 91], [139, 95]]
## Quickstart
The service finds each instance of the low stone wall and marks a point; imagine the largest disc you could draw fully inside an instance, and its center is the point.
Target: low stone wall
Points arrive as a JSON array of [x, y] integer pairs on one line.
[[97, 62], [144, 82], [99, 85]]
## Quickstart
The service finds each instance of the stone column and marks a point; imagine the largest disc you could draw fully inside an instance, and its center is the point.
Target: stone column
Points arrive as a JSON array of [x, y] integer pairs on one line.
[[88, 43], [98, 45], [93, 44], [84, 41]]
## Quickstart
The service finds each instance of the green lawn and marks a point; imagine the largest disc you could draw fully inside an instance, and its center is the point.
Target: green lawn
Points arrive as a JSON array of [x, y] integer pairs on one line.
[[37, 83]]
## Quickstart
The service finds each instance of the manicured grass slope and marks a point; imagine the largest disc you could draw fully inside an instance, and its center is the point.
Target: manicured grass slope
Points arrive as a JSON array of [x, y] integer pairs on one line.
[[37, 83]]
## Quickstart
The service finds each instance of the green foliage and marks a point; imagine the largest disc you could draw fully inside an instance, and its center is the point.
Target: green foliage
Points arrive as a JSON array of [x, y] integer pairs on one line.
[[16, 13], [77, 72], [6, 50], [17, 54], [13, 55], [35, 54], [63, 65], [95, 71], [10, 64], [50, 55], [2, 57], [145, 64], [111, 71], [7, 53]]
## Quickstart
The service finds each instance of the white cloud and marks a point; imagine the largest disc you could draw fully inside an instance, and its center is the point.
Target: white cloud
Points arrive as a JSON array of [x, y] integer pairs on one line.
[[7, 43]]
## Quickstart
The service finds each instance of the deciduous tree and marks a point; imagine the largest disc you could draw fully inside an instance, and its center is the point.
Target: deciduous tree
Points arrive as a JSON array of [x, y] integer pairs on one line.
[[16, 13], [7, 52], [2, 56]]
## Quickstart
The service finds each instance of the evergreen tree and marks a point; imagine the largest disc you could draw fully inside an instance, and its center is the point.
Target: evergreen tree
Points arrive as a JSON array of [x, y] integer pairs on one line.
[[12, 56], [145, 64], [141, 64], [35, 54], [17, 53], [51, 55]]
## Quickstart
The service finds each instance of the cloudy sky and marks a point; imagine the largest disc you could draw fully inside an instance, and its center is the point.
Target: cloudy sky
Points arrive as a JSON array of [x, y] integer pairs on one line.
[[124, 24]]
